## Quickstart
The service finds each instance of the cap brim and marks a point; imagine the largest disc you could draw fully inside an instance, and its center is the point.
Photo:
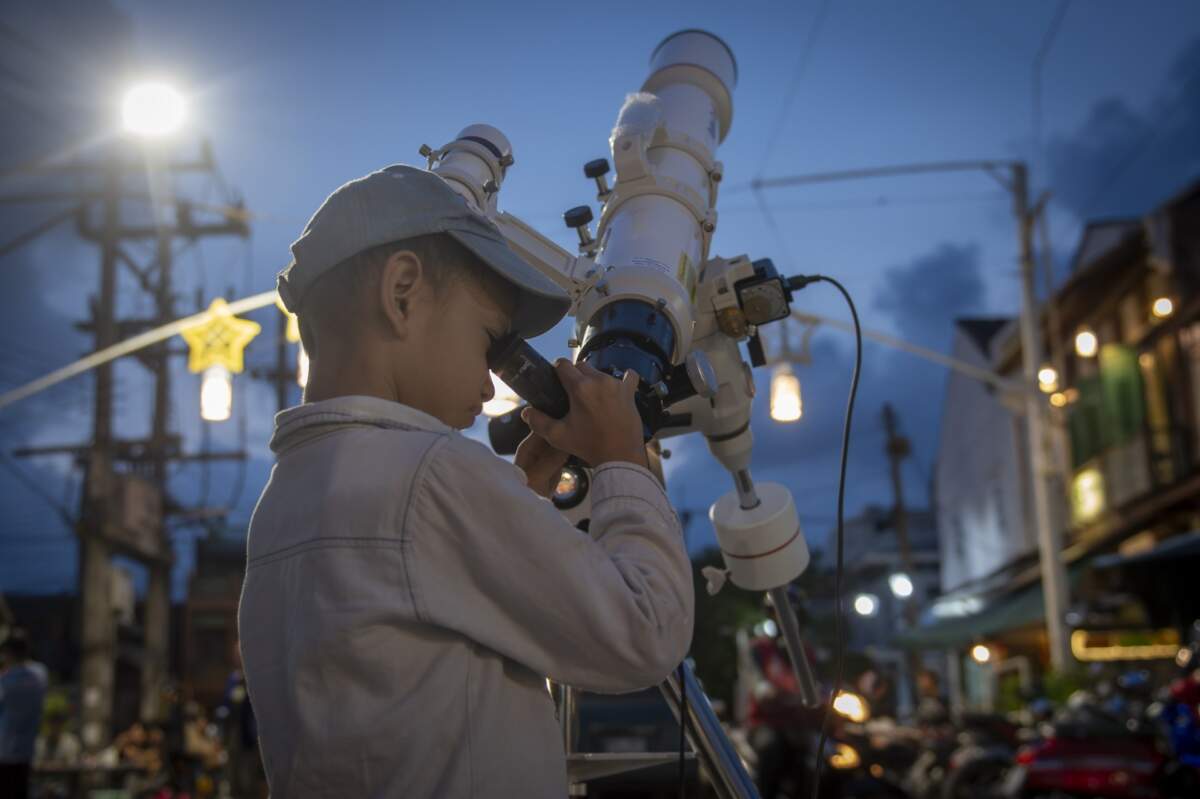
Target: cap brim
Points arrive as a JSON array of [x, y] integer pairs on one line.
[[541, 303]]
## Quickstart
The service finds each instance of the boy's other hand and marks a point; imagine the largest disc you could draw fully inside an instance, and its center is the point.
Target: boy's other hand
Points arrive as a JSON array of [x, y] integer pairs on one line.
[[541, 463], [603, 424]]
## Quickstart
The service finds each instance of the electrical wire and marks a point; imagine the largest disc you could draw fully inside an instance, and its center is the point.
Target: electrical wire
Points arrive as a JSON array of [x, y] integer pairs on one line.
[[838, 618], [798, 73]]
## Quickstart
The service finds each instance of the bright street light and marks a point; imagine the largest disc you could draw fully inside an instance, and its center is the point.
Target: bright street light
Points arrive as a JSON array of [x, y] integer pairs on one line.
[[786, 404], [505, 399], [216, 394], [901, 585], [980, 653], [866, 604], [153, 109]]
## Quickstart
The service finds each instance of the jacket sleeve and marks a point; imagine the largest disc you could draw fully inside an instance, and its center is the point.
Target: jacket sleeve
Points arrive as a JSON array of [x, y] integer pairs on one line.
[[610, 610]]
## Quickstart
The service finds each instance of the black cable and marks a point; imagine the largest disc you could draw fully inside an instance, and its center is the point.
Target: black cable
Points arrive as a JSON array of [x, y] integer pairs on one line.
[[795, 284], [682, 731]]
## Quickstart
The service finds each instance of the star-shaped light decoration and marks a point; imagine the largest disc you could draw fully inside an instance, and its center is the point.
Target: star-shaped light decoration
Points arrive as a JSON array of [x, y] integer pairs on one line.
[[219, 341], [292, 333]]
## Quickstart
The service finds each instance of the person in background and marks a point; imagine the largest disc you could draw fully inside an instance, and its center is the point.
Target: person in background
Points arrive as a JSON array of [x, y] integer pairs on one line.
[[58, 746], [23, 683]]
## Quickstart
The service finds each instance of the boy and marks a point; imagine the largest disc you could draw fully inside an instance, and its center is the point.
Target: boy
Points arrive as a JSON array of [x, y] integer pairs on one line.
[[407, 591]]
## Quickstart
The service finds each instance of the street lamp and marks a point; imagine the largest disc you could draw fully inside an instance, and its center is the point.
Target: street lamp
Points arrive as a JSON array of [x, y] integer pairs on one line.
[[786, 404], [981, 654], [503, 401], [901, 585], [866, 604], [153, 110]]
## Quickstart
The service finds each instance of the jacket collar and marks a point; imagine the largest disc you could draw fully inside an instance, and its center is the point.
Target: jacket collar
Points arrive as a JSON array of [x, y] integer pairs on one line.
[[302, 423]]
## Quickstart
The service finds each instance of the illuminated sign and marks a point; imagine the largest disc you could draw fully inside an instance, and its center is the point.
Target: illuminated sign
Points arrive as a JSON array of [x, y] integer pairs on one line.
[[1105, 645]]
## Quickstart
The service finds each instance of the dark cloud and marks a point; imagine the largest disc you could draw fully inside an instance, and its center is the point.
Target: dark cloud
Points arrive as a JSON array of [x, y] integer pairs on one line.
[[923, 296], [1122, 161]]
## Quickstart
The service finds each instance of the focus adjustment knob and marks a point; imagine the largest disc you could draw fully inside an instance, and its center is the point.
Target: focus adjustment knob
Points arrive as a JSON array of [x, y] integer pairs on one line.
[[596, 169], [578, 216]]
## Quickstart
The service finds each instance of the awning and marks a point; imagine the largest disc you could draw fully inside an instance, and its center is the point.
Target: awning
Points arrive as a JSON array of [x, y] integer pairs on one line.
[[1186, 545], [1012, 609]]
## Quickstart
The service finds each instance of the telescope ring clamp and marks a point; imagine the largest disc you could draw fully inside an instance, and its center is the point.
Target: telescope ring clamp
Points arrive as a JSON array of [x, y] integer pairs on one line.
[[634, 178]]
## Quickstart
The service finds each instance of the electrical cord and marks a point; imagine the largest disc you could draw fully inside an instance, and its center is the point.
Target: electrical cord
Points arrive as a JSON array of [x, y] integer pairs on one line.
[[795, 284]]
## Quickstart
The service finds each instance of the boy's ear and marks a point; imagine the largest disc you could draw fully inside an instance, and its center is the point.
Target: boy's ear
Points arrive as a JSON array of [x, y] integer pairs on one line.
[[402, 280]]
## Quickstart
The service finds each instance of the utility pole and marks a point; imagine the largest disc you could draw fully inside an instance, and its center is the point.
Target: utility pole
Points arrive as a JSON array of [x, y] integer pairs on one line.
[[898, 448], [98, 634], [1054, 578], [124, 510], [1054, 581]]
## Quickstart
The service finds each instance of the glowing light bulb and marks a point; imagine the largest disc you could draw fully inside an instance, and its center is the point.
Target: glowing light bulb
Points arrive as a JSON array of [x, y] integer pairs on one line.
[[901, 585], [786, 403], [980, 653], [866, 604], [1086, 343], [216, 394], [1162, 307], [153, 109], [1048, 379]]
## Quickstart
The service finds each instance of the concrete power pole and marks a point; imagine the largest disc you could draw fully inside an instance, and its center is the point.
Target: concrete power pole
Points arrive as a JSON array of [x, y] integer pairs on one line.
[[98, 634], [1054, 579], [897, 449]]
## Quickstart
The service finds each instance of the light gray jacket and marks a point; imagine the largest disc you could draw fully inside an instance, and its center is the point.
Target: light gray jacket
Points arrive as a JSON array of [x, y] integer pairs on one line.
[[406, 595]]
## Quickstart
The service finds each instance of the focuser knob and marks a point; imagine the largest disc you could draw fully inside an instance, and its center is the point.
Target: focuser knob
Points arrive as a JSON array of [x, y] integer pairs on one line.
[[596, 170], [578, 218]]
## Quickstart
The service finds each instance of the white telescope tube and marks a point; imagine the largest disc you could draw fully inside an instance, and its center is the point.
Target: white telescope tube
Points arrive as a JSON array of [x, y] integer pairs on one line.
[[657, 222]]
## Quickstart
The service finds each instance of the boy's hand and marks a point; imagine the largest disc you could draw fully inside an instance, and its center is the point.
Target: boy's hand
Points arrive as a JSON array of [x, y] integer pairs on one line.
[[603, 424], [541, 463]]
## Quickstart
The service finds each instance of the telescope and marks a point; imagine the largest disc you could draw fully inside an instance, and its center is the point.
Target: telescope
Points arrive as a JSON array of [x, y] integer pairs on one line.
[[649, 295]]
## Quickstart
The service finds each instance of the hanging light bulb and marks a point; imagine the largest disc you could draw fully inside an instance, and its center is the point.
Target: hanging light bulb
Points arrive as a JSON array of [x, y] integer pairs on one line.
[[503, 401], [786, 404], [216, 394], [301, 367]]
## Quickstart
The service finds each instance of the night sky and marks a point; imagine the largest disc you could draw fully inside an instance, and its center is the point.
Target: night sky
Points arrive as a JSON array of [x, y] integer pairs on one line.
[[301, 97]]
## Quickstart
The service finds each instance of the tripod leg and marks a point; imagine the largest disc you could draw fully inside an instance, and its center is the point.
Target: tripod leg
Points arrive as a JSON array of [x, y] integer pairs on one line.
[[707, 737]]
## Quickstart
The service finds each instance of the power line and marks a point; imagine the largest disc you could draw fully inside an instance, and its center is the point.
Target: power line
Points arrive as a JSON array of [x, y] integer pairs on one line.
[[1038, 62], [801, 65]]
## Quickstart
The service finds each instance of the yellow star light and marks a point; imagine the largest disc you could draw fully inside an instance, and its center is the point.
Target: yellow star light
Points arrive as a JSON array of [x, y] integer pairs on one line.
[[220, 340]]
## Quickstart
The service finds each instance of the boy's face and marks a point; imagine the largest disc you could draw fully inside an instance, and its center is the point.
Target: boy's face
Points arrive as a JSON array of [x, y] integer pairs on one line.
[[452, 380]]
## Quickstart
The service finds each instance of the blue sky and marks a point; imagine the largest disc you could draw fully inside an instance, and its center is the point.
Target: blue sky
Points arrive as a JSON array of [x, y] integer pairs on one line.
[[297, 98]]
